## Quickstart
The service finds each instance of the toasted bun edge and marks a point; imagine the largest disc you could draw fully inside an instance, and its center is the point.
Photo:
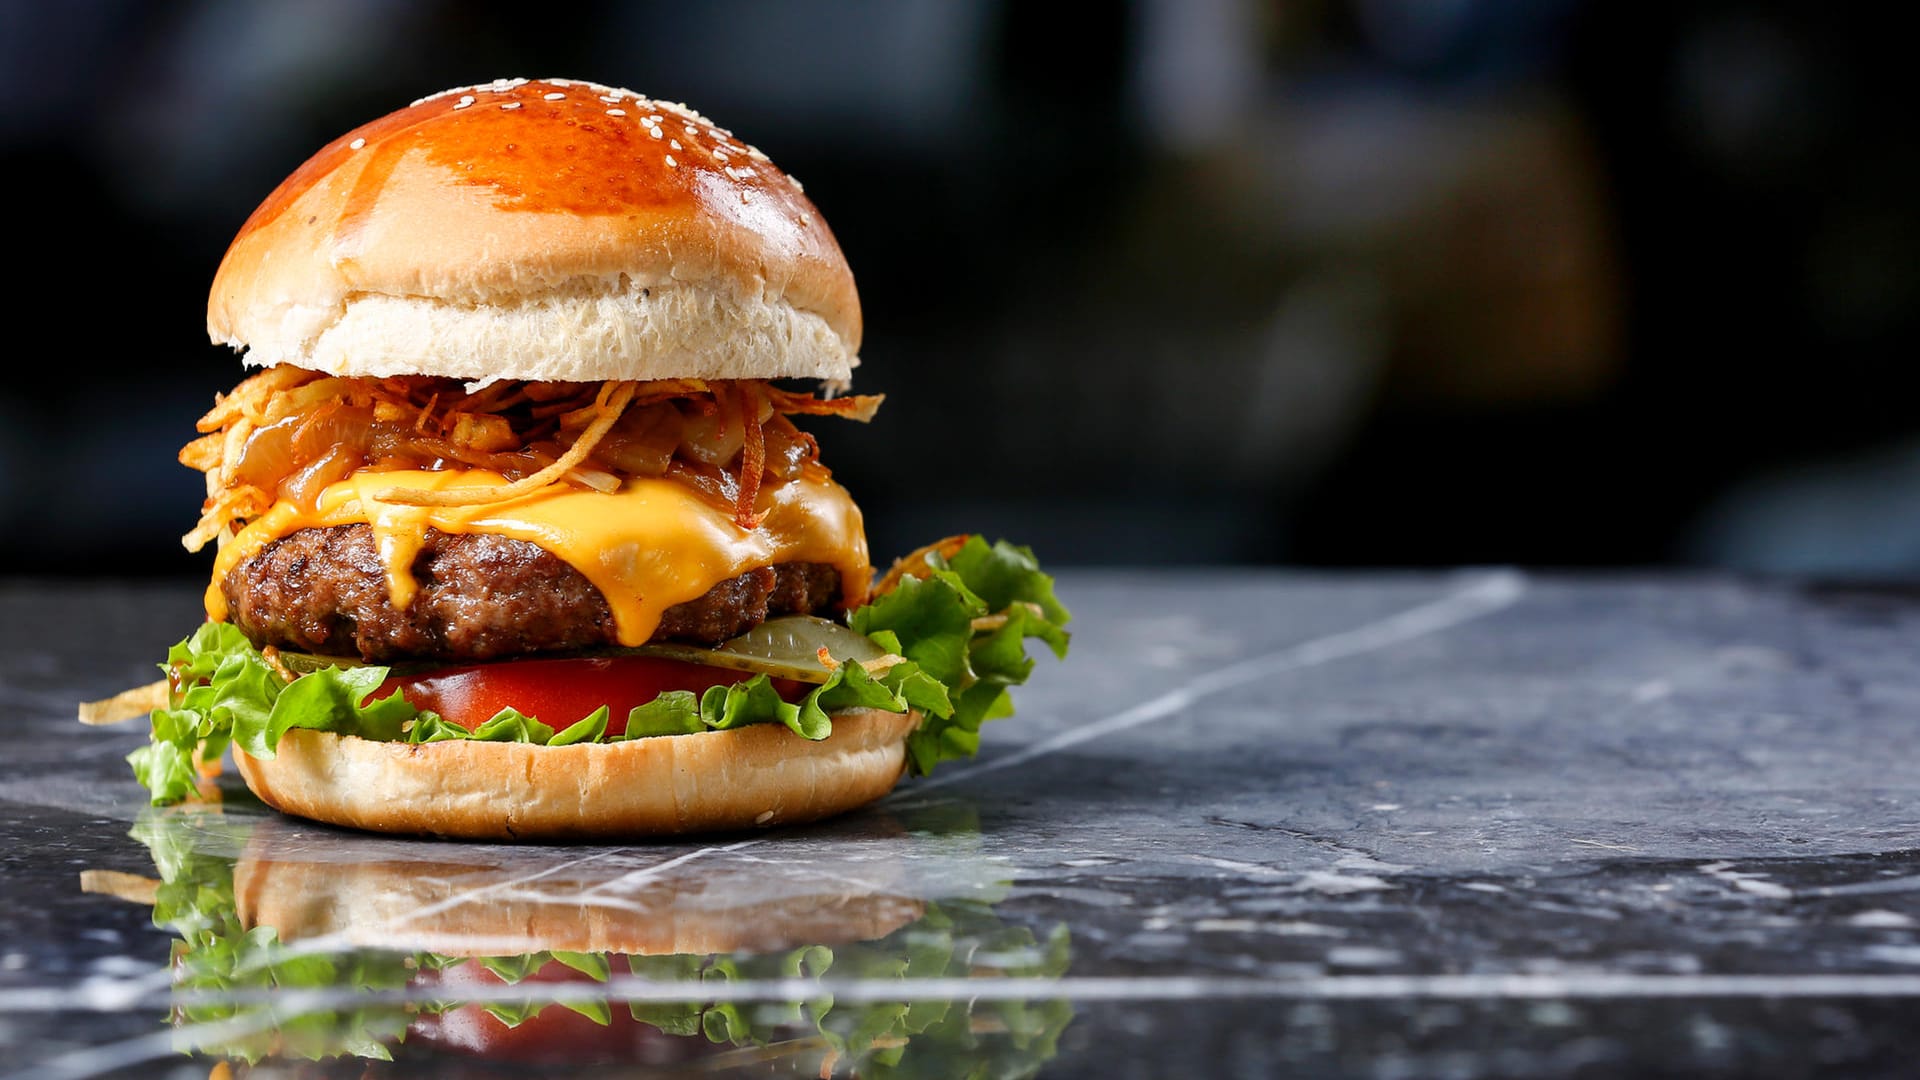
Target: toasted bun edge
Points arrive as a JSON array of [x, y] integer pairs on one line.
[[758, 776]]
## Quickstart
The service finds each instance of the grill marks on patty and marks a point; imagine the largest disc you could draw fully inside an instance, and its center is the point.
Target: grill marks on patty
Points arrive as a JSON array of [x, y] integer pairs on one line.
[[481, 597]]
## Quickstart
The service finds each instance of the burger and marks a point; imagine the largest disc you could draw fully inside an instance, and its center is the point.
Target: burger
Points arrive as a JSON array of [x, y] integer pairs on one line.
[[291, 945], [517, 535]]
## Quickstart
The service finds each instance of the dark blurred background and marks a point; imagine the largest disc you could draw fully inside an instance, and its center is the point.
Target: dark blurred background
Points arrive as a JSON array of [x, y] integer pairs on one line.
[[1381, 282]]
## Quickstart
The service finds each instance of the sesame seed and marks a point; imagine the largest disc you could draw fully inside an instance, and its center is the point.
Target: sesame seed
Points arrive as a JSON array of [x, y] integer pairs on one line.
[[560, 82], [511, 105], [356, 144], [691, 130], [616, 112], [497, 86], [655, 118], [795, 181], [555, 97], [672, 164], [806, 219], [754, 153], [654, 131], [464, 102], [675, 143], [720, 153], [611, 99], [743, 197]]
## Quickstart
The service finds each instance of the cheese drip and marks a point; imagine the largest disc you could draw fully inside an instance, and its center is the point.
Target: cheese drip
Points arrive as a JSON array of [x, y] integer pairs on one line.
[[650, 545]]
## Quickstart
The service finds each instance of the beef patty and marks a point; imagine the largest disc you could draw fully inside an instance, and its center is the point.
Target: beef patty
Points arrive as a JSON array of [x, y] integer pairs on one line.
[[324, 590]]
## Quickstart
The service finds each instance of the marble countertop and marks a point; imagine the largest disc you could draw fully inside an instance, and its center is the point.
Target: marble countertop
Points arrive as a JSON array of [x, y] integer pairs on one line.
[[1465, 825]]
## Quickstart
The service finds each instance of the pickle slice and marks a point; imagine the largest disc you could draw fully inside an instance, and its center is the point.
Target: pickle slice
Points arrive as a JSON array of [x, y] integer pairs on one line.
[[785, 648]]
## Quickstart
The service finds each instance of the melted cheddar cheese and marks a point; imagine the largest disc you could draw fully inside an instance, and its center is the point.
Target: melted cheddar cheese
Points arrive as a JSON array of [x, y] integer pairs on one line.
[[650, 545]]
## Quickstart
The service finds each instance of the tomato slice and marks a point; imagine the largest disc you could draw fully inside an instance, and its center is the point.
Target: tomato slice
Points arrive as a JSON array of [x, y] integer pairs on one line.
[[556, 1035], [559, 692]]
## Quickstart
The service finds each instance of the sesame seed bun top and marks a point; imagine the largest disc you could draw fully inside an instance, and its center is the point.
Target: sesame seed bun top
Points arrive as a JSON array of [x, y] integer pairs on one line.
[[550, 229]]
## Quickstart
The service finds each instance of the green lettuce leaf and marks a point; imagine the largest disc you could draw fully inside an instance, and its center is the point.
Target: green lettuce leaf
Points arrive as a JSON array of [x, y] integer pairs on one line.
[[226, 692], [930, 619], [591, 729], [755, 701], [512, 725], [676, 712], [1000, 585]]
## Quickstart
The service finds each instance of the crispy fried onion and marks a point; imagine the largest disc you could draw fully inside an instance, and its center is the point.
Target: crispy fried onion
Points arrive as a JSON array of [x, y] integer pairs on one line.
[[286, 434]]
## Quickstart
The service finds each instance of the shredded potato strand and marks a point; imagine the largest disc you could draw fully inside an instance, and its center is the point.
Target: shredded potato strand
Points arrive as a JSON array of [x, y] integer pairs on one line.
[[203, 453], [612, 402], [120, 885], [860, 407], [880, 665], [253, 392], [231, 449], [125, 705], [753, 459], [420, 423], [230, 505]]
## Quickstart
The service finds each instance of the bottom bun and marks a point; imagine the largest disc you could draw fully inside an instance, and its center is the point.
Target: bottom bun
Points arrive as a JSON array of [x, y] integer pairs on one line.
[[761, 775]]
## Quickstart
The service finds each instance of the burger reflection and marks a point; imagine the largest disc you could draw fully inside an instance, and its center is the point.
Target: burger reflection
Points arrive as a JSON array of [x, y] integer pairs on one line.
[[301, 951]]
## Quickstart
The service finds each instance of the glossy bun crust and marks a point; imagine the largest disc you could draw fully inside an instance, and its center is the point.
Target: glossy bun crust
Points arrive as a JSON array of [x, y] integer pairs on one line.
[[546, 230], [758, 776]]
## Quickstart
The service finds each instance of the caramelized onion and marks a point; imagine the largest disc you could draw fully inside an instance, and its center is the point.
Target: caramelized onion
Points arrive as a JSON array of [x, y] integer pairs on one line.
[[788, 448], [304, 486], [714, 435], [267, 455], [643, 442], [289, 433], [716, 486], [524, 463]]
